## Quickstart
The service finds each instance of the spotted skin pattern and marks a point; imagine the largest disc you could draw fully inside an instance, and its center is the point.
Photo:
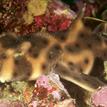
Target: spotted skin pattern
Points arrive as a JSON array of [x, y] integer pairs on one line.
[[27, 57]]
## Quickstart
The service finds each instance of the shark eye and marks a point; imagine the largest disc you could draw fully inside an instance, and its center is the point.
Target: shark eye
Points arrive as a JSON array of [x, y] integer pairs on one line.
[[86, 60], [44, 66]]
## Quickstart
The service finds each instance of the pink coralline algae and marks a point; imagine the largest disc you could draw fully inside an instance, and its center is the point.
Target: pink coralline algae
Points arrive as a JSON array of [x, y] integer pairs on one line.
[[58, 17], [48, 94], [43, 81], [99, 98]]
